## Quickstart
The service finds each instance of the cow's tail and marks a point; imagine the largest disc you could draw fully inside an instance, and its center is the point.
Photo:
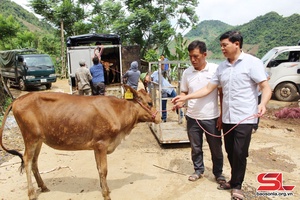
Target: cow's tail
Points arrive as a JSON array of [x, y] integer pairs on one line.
[[13, 152]]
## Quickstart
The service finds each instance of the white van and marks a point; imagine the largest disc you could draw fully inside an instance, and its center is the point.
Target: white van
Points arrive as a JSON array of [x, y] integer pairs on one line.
[[283, 66]]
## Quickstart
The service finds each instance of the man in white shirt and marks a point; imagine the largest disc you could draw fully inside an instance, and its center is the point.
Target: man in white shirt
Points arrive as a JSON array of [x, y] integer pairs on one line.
[[203, 111]]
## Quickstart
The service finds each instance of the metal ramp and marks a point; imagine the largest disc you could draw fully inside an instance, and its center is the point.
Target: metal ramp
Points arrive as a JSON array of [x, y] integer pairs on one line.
[[174, 130], [170, 133]]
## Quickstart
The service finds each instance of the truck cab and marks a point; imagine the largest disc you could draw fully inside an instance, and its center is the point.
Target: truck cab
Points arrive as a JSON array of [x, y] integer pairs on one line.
[[25, 67], [283, 67]]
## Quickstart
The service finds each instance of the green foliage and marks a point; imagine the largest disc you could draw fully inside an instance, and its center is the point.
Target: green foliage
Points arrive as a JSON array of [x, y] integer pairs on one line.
[[22, 29], [9, 28], [4, 104]]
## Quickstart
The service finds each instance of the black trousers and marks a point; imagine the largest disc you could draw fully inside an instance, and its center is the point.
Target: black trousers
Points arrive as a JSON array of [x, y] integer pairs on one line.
[[195, 134], [237, 144]]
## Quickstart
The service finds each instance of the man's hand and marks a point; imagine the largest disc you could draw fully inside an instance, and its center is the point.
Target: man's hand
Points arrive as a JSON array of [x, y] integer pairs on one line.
[[261, 110], [179, 99], [178, 102]]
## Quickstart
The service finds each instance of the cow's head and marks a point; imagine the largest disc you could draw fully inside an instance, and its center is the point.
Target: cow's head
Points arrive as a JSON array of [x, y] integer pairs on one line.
[[144, 100], [106, 65]]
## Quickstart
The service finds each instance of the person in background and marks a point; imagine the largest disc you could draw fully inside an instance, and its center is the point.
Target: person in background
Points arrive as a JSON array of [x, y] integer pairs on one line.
[[167, 91], [165, 67], [97, 72], [204, 111], [132, 75], [82, 79], [239, 76], [145, 79], [98, 50]]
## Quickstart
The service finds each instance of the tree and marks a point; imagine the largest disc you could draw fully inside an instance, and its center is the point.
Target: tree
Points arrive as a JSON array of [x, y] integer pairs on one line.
[[9, 28], [63, 14], [151, 24]]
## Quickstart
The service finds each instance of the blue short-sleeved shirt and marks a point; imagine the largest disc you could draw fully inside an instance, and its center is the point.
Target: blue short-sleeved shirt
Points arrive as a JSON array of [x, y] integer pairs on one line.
[[97, 73], [239, 82], [167, 87]]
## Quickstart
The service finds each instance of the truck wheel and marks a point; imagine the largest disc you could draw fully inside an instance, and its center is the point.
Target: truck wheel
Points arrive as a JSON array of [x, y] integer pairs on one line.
[[48, 86], [286, 92], [22, 85]]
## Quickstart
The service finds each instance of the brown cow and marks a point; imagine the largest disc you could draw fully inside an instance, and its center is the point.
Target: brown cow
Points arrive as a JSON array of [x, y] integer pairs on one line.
[[110, 70], [71, 122]]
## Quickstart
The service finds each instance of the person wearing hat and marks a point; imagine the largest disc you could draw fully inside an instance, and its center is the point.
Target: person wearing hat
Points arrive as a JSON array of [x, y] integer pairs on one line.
[[145, 78], [132, 75], [82, 79]]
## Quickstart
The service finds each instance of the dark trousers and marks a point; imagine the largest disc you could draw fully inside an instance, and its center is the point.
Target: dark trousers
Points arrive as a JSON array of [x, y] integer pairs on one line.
[[164, 103], [237, 144], [195, 134], [98, 88]]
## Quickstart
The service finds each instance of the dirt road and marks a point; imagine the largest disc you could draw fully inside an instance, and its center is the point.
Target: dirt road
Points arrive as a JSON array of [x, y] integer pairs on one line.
[[142, 169]]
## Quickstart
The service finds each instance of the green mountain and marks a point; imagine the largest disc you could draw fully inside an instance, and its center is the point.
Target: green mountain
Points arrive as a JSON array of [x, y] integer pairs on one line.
[[260, 34], [28, 20]]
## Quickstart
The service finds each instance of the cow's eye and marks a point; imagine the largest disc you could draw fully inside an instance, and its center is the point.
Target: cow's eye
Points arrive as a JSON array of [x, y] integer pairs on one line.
[[150, 104]]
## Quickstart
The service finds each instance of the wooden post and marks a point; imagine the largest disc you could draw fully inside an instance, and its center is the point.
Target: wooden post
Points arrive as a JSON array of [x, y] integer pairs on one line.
[[63, 65]]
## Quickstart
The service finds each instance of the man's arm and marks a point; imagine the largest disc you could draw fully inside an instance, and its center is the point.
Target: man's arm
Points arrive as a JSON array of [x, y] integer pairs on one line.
[[265, 97], [198, 94]]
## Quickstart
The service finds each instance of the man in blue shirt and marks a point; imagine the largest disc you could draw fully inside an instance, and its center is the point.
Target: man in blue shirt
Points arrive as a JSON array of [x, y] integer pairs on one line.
[[167, 91], [165, 67], [97, 72]]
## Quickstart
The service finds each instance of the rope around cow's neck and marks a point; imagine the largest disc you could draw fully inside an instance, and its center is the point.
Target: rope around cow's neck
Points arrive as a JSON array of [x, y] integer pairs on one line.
[[147, 109]]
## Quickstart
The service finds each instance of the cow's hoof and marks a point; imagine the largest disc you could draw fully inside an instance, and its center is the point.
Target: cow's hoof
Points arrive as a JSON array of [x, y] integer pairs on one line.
[[45, 189]]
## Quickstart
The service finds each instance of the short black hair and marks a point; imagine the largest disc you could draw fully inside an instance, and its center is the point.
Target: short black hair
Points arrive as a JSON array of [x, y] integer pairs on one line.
[[233, 36], [96, 60], [197, 44]]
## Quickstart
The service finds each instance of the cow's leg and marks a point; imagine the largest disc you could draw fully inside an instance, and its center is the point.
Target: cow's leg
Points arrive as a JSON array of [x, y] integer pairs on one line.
[[35, 169], [101, 161], [28, 157]]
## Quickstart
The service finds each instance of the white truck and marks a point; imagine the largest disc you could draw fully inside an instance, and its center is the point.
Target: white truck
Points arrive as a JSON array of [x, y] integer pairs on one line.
[[118, 57], [283, 67]]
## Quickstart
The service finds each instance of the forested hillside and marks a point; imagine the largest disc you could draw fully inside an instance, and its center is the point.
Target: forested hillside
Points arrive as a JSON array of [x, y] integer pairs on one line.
[[260, 35], [27, 20], [208, 30]]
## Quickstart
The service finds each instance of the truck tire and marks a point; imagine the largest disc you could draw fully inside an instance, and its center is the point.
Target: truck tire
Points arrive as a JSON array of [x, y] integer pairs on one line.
[[48, 86], [286, 92], [22, 85]]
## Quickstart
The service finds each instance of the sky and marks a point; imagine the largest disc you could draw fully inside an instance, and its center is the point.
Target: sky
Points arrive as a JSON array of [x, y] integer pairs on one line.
[[237, 12]]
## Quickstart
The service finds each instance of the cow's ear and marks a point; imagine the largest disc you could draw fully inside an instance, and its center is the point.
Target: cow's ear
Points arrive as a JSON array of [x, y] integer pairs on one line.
[[133, 91]]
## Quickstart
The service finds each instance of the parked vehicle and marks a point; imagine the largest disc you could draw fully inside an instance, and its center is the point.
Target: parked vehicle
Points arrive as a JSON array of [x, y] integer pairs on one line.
[[283, 66], [25, 67]]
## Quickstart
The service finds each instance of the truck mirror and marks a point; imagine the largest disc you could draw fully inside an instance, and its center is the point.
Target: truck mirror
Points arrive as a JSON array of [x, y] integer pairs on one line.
[[20, 59], [272, 63], [25, 65]]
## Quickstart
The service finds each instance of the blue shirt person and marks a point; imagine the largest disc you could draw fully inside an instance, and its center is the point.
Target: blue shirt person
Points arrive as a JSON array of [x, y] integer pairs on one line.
[[97, 72]]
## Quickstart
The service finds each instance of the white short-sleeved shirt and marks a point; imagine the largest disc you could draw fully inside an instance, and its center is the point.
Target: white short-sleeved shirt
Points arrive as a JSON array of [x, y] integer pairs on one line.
[[239, 82], [204, 108]]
